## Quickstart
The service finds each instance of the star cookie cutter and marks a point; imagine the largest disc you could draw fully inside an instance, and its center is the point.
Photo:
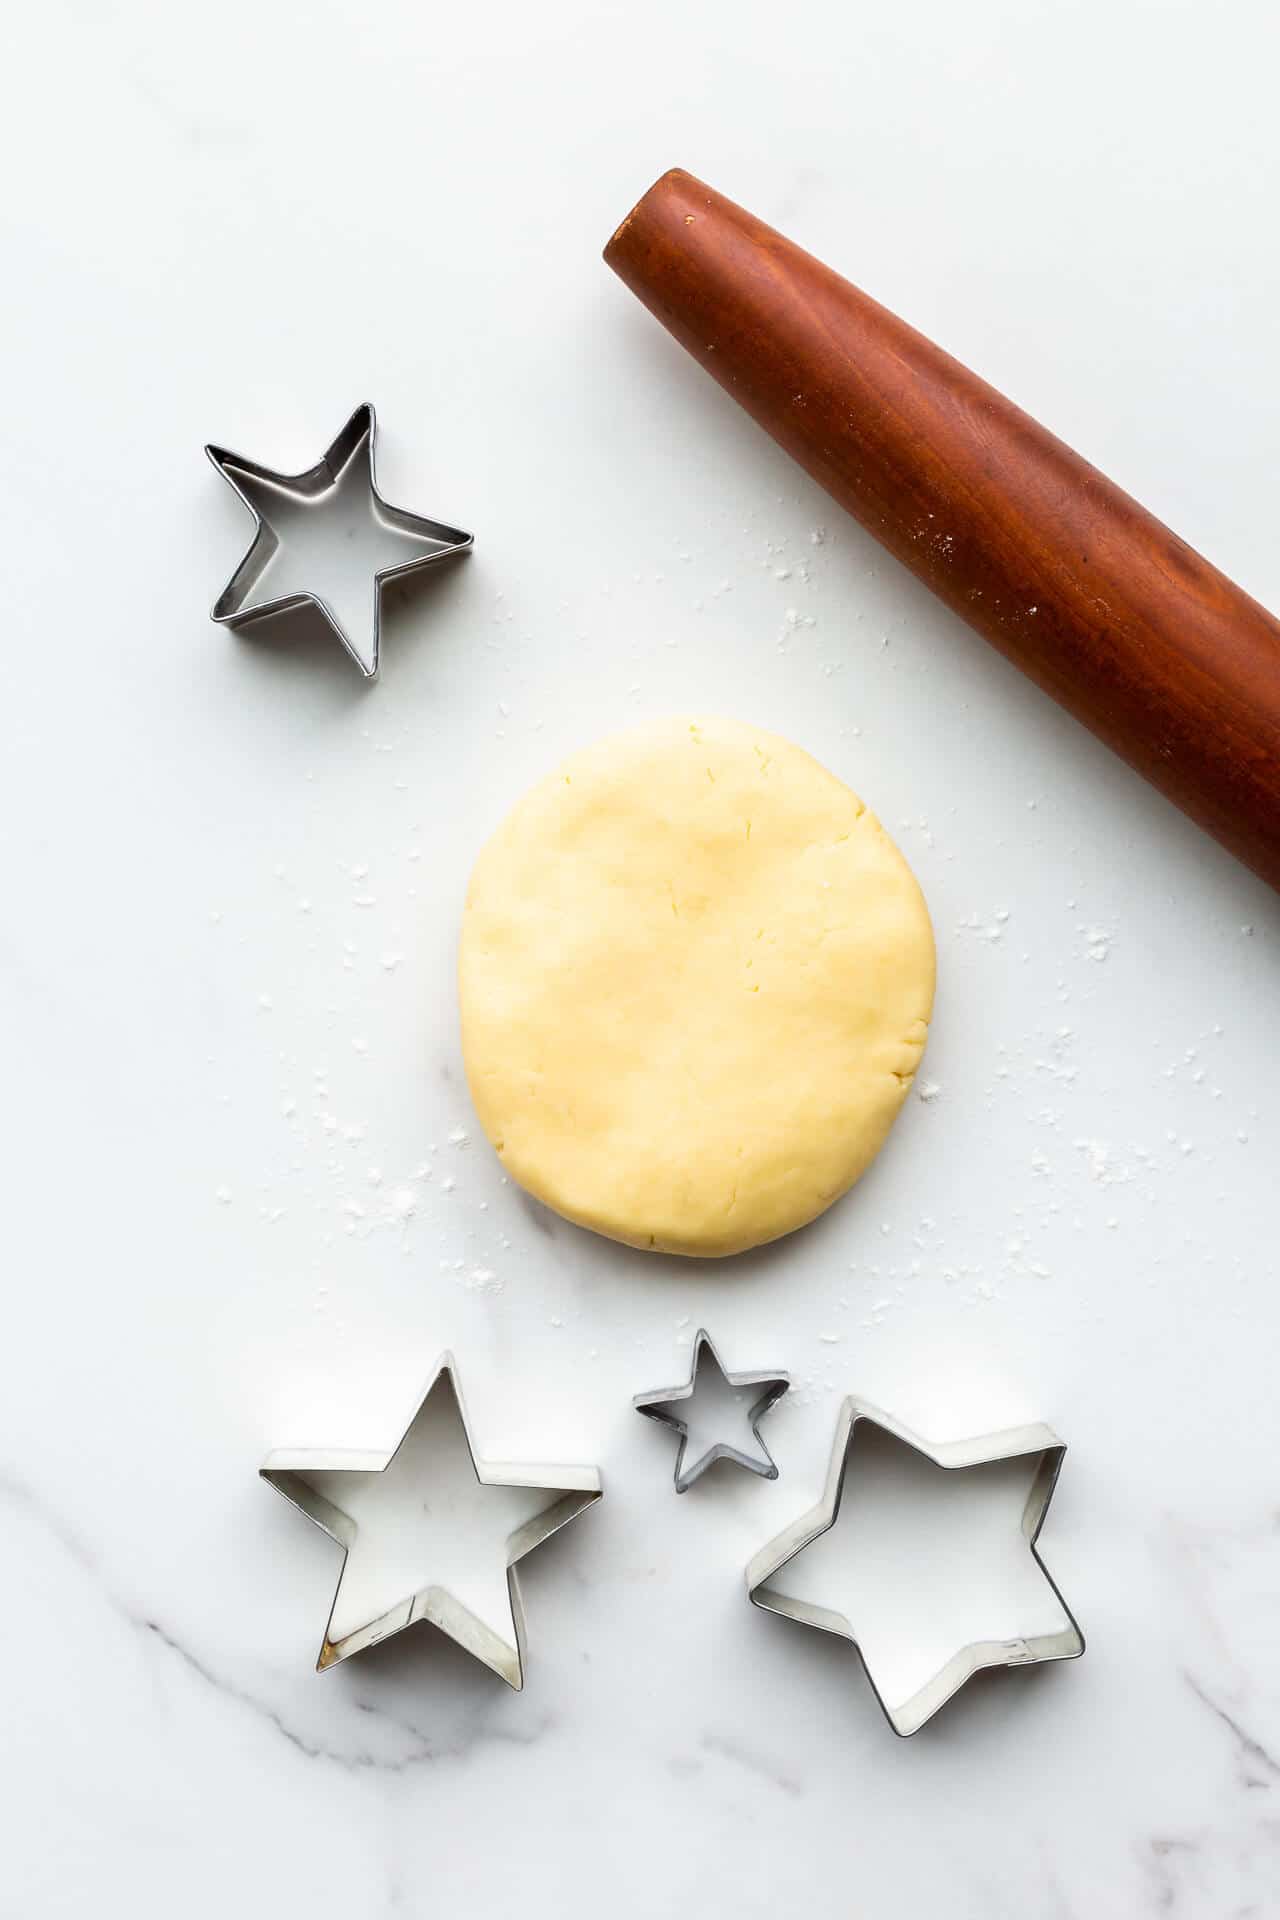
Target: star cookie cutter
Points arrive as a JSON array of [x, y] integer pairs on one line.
[[294, 1473], [235, 605], [1067, 1643], [660, 1405]]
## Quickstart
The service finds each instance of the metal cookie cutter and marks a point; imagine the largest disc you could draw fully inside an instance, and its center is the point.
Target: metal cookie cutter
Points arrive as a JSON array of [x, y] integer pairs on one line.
[[408, 1538], [661, 1405], [907, 1717], [315, 490]]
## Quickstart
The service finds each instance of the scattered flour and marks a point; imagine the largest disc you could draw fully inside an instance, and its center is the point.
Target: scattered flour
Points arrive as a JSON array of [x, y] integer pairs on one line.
[[483, 1280], [1102, 1164]]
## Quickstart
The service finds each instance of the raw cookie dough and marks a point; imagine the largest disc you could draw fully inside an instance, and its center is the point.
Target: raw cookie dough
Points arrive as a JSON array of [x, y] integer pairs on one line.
[[696, 978]]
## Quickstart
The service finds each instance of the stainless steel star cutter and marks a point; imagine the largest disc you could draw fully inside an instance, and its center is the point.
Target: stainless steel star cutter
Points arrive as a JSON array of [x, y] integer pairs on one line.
[[907, 1717], [318, 1482], [426, 542]]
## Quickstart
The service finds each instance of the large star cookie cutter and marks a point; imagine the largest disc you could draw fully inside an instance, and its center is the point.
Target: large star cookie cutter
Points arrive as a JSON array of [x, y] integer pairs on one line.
[[409, 1521], [1037, 1443]]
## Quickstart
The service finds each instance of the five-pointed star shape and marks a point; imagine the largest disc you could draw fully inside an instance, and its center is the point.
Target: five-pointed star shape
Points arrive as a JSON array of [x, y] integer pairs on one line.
[[430, 1532], [1055, 1636], [338, 502], [673, 1406]]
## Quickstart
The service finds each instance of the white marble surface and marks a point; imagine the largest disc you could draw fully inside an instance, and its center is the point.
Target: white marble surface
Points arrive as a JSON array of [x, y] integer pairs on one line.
[[232, 884]]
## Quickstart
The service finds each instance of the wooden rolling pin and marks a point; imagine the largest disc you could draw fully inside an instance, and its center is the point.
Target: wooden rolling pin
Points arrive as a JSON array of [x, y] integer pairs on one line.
[[1154, 649]]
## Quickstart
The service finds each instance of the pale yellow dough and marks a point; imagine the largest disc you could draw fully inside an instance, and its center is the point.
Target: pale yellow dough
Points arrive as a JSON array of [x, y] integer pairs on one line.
[[696, 978]]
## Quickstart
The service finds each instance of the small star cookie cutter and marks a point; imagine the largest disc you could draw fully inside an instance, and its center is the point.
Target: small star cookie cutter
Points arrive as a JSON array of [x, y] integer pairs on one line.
[[293, 1473], [907, 1717], [660, 1405], [236, 606]]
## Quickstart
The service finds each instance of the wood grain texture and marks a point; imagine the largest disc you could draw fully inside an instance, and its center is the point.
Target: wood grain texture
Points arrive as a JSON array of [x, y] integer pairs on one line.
[[1136, 634]]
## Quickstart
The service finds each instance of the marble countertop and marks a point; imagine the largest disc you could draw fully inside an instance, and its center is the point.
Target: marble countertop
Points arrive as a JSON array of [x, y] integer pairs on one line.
[[233, 883]]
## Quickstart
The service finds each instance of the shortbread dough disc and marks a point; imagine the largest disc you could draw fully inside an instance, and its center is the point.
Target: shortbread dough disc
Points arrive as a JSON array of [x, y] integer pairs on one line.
[[696, 978]]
